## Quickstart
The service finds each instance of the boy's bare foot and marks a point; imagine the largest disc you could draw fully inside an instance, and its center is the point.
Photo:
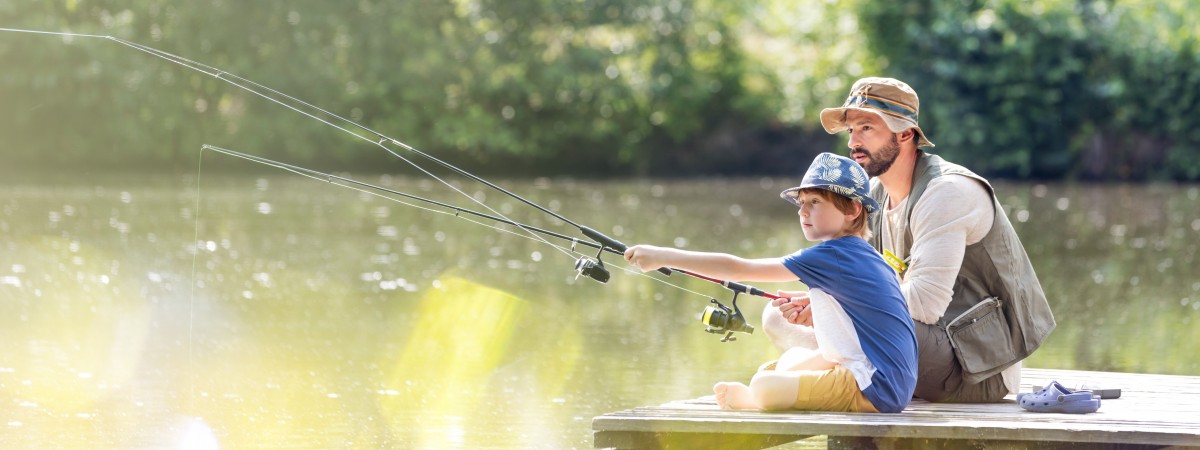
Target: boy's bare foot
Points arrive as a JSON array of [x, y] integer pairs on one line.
[[734, 395]]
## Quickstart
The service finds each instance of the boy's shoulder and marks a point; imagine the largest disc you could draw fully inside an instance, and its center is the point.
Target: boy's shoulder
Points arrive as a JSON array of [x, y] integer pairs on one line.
[[851, 242], [858, 250], [844, 250]]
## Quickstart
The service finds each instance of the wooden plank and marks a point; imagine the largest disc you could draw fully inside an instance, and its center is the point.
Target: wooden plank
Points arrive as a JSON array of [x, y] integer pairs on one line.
[[866, 443], [1153, 410], [689, 441]]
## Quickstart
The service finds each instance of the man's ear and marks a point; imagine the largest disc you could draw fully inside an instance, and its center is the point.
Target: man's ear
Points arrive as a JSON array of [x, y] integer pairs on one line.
[[907, 135]]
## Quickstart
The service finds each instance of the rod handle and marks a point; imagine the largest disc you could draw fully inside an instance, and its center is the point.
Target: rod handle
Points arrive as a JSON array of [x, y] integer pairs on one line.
[[606, 241]]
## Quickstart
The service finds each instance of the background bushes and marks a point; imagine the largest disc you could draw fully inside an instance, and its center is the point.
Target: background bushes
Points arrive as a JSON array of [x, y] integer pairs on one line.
[[1053, 89]]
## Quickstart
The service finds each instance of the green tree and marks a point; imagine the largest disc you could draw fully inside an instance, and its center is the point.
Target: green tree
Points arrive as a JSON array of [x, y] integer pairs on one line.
[[1048, 88], [1045, 88]]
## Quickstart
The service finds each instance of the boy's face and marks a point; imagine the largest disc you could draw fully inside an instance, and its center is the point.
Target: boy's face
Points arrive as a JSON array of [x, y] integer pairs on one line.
[[820, 219]]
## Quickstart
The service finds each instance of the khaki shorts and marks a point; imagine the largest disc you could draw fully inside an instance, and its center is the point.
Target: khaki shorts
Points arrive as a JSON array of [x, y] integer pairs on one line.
[[831, 390]]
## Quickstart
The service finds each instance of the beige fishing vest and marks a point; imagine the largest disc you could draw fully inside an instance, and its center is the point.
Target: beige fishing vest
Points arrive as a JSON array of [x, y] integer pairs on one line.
[[998, 314]]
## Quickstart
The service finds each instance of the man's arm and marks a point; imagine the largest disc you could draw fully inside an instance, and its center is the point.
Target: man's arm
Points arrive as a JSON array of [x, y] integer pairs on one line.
[[954, 212]]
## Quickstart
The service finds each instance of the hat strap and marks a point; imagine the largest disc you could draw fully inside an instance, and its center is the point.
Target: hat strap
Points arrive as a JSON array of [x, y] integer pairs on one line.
[[884, 105]]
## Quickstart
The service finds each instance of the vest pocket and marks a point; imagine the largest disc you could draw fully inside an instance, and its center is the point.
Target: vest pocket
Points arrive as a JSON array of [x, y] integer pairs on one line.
[[980, 337]]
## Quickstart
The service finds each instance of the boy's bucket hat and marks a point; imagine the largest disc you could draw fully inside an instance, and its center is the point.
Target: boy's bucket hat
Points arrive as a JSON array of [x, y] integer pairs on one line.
[[888, 98], [837, 174]]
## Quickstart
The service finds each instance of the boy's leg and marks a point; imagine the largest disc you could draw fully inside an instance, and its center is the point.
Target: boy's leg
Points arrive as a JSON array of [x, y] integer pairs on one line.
[[768, 390], [807, 390], [799, 358], [738, 394], [734, 395], [775, 390], [786, 335]]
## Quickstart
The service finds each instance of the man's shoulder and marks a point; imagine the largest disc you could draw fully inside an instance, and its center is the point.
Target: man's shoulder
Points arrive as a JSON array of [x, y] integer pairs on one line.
[[958, 199], [957, 180], [962, 186], [938, 164], [952, 198]]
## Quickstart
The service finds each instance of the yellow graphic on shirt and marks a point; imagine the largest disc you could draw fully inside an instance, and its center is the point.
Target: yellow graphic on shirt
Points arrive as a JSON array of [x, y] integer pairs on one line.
[[894, 261]]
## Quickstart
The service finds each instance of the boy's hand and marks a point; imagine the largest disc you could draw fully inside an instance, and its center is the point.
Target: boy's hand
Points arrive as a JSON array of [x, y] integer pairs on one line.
[[794, 306], [644, 257]]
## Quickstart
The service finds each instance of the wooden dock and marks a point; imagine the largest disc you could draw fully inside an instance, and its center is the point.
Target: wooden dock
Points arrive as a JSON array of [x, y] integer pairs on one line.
[[1154, 411]]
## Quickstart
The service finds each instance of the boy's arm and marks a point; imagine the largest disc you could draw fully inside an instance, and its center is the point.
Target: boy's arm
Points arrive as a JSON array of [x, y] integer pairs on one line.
[[716, 265]]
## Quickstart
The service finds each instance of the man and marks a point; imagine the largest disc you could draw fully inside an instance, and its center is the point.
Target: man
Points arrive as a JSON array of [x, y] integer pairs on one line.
[[973, 295]]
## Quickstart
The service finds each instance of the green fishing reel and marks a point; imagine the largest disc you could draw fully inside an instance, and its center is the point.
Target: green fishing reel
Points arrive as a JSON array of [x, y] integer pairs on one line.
[[720, 319]]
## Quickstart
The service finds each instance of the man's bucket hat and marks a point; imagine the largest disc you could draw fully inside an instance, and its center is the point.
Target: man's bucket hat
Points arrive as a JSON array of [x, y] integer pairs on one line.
[[837, 174], [888, 98]]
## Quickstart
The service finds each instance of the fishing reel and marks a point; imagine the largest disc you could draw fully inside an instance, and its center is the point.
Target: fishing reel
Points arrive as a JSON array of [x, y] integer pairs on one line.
[[720, 319], [592, 268]]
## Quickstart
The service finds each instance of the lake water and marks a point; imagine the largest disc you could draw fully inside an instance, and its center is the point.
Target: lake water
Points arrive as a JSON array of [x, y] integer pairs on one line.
[[275, 311]]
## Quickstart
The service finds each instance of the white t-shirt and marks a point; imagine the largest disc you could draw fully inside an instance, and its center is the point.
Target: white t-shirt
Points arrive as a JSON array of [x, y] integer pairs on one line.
[[954, 212]]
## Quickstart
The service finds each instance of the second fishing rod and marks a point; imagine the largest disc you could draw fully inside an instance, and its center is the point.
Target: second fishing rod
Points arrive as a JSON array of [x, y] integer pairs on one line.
[[352, 128], [592, 267], [717, 317]]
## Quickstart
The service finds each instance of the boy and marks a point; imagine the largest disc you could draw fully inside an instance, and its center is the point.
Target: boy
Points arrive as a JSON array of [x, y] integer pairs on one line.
[[866, 356]]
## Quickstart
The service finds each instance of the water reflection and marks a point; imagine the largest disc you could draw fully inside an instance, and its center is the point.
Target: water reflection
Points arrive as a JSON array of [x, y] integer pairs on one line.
[[72, 332], [445, 368], [1111, 263], [323, 318]]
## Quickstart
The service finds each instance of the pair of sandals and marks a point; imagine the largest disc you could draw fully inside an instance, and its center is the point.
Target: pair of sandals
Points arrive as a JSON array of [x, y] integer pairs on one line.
[[1056, 398]]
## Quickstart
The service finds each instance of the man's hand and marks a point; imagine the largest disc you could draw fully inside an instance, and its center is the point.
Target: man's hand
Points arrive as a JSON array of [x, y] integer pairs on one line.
[[794, 306]]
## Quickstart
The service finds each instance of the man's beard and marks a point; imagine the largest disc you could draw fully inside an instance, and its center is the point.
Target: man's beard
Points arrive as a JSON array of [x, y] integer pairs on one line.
[[880, 161]]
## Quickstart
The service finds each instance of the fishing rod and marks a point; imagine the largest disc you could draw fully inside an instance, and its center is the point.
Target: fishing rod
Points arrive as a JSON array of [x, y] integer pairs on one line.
[[717, 317], [593, 267], [331, 178]]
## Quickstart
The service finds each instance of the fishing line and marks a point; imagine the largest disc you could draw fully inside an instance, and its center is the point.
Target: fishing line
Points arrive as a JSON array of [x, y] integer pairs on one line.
[[717, 318], [593, 268], [192, 289], [339, 180], [383, 139], [374, 190]]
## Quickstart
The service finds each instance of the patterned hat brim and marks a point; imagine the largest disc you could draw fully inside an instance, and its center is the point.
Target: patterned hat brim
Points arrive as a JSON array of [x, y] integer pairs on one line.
[[869, 203]]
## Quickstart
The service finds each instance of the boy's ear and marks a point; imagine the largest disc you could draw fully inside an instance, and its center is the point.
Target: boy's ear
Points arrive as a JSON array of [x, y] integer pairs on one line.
[[858, 209]]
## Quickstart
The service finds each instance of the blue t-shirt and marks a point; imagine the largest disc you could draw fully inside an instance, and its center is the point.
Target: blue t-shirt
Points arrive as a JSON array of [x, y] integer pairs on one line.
[[851, 271]]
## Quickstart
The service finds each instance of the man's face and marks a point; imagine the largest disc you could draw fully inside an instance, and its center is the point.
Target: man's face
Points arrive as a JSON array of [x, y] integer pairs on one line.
[[872, 145]]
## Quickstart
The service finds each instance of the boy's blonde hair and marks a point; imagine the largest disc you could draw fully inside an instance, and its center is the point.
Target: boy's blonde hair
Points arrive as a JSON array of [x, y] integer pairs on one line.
[[858, 227]]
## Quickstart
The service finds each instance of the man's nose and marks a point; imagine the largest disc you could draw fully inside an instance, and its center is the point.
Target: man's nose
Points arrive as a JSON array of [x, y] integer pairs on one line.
[[853, 144]]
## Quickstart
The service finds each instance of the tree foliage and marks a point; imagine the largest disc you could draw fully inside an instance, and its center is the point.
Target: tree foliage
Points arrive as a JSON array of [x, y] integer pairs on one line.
[[1048, 88]]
